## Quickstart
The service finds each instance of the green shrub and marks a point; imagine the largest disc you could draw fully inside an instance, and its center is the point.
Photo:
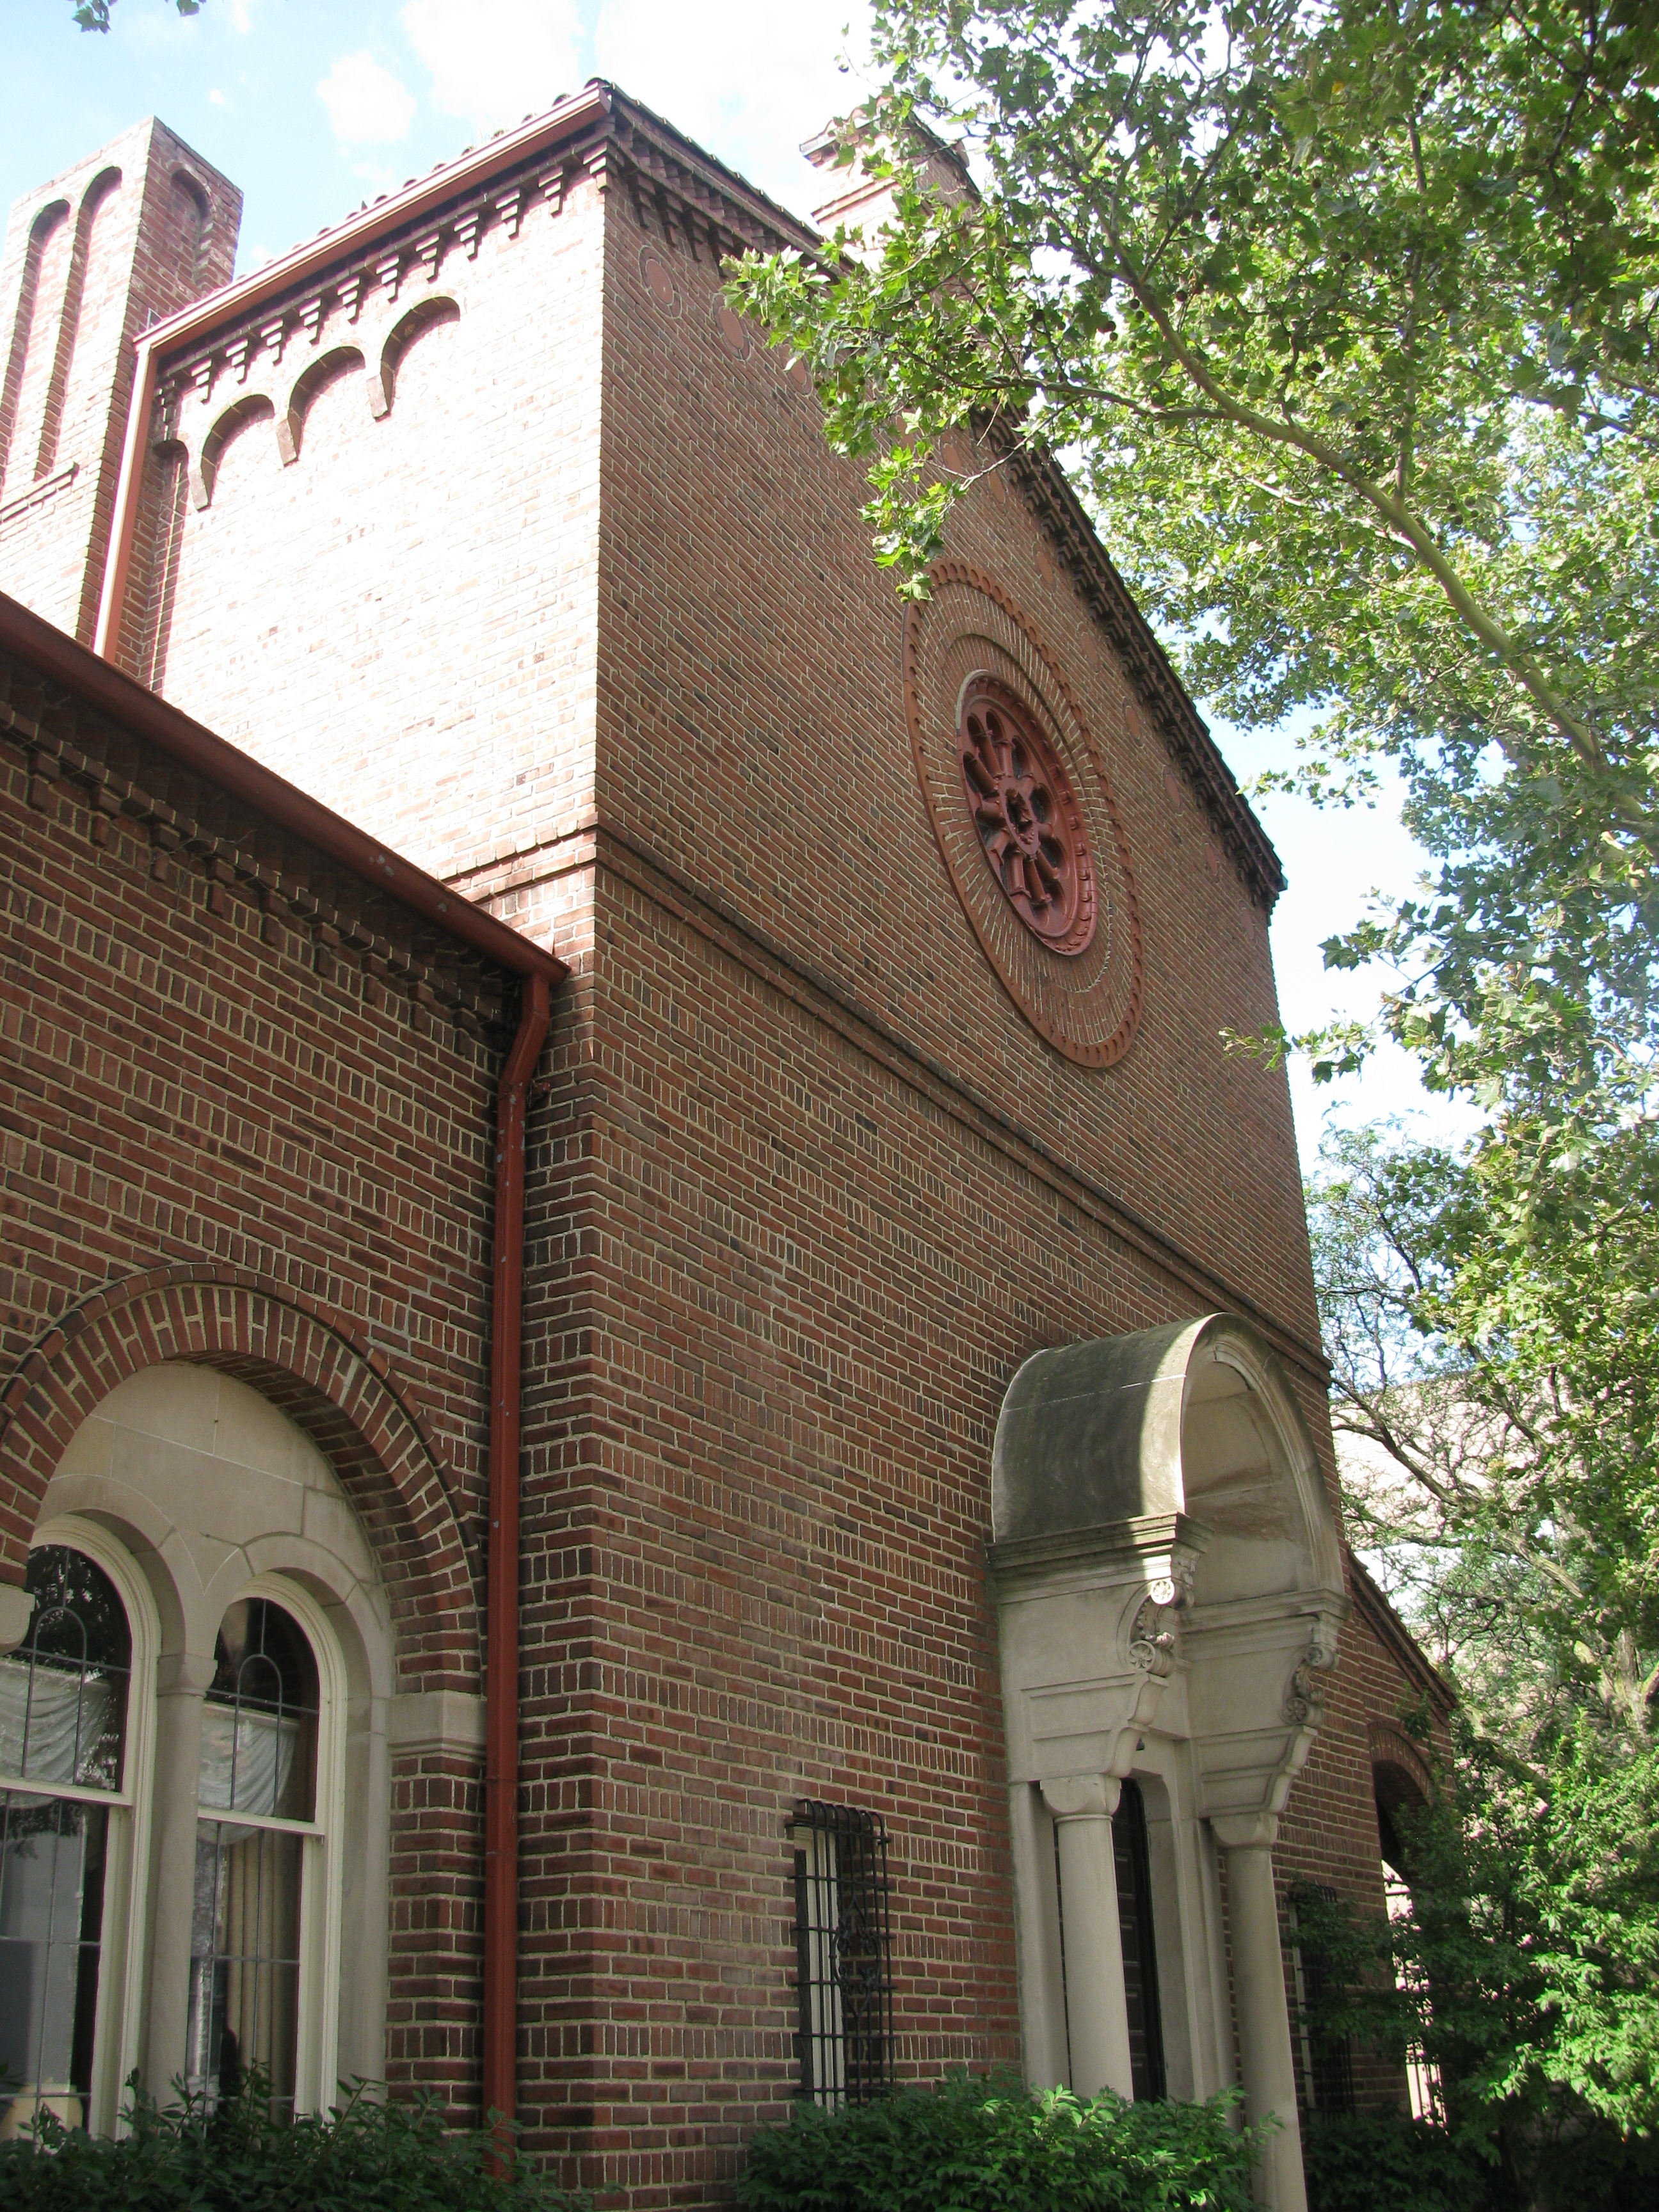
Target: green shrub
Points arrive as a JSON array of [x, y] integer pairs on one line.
[[1397, 2165], [975, 2144], [368, 2155], [1391, 2164]]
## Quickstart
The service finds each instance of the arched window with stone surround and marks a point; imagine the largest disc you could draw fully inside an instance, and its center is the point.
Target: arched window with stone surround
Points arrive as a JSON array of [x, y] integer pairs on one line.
[[245, 1869], [1403, 1785], [75, 1739]]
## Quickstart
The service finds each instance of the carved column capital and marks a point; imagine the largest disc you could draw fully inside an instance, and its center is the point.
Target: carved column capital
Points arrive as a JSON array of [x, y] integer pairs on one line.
[[16, 1611], [1082, 1796], [1246, 1832], [184, 1674]]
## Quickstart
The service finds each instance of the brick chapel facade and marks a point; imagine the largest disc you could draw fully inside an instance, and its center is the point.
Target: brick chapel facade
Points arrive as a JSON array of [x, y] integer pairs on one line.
[[663, 1442]]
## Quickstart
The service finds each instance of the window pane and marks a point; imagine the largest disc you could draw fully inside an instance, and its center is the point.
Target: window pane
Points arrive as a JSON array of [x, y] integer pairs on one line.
[[51, 1907], [245, 1961], [64, 1692], [259, 1726]]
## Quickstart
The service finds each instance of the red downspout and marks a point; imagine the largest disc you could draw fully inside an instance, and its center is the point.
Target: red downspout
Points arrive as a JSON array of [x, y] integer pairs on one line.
[[501, 1990]]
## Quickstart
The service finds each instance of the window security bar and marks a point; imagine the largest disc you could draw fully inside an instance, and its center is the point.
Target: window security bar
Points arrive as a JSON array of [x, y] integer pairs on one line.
[[843, 1953], [1327, 2063]]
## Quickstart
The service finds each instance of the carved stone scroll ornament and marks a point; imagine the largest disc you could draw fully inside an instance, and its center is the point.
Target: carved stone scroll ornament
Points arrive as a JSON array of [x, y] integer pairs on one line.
[[1304, 1693], [1152, 1645]]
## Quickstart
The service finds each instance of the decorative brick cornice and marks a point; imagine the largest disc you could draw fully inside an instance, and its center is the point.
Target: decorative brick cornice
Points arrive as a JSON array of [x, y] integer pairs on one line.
[[1160, 689], [671, 183], [297, 894], [717, 213]]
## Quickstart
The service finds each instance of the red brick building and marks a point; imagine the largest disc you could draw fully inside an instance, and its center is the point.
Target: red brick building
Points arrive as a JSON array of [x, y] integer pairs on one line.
[[532, 986]]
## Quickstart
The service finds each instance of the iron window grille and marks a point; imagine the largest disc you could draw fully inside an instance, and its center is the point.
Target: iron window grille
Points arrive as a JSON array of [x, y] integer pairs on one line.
[[1326, 2061], [843, 1953]]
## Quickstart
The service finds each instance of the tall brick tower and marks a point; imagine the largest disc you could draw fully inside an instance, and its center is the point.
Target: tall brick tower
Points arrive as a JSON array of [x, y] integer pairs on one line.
[[92, 258]]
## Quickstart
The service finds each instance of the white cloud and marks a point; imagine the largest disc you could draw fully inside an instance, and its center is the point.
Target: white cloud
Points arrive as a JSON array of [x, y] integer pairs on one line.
[[366, 104], [216, 98], [494, 61], [748, 79]]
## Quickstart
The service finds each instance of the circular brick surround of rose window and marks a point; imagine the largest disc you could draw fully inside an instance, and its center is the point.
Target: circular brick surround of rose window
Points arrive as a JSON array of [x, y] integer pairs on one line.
[[1020, 805]]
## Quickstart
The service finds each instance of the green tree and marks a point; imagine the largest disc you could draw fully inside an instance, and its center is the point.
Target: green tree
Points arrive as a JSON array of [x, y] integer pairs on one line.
[[1500, 1393], [94, 15], [1500, 1473], [1343, 318]]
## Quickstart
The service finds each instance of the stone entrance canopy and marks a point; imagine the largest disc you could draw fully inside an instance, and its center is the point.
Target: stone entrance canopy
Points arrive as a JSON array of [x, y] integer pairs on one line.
[[1168, 1575]]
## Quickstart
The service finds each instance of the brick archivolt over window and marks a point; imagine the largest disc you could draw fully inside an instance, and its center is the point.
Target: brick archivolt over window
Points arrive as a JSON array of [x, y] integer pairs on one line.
[[310, 1363]]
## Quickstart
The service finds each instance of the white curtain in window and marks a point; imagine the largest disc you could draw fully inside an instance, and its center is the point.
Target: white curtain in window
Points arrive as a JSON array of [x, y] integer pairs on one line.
[[59, 1703], [248, 1759]]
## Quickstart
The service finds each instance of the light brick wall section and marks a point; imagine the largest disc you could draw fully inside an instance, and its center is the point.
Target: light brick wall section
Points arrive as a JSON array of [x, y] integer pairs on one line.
[[400, 618], [148, 226]]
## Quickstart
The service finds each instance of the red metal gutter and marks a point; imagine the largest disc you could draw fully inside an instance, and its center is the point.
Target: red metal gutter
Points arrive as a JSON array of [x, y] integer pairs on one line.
[[61, 661], [500, 2000], [588, 106]]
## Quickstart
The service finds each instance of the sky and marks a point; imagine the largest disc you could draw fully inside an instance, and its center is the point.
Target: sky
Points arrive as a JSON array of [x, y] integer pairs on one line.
[[312, 106]]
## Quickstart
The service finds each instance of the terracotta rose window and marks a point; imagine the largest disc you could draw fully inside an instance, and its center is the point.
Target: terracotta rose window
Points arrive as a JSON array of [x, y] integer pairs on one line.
[[1029, 821]]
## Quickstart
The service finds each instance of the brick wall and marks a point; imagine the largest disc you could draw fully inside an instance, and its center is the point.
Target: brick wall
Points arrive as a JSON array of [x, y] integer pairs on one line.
[[229, 1135], [396, 609]]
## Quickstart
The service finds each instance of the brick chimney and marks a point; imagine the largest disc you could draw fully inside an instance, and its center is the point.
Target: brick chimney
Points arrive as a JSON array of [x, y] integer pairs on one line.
[[133, 233], [865, 202]]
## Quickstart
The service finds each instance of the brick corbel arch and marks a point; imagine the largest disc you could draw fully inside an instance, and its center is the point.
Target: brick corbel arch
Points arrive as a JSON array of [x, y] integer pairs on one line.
[[1393, 1754], [308, 1360]]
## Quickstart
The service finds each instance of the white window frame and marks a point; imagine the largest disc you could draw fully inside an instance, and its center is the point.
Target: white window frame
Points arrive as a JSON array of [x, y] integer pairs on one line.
[[121, 1934], [317, 2028]]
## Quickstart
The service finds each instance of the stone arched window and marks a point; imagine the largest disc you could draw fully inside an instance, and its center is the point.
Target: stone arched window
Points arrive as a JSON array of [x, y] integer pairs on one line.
[[194, 1748], [1404, 1786], [265, 1933]]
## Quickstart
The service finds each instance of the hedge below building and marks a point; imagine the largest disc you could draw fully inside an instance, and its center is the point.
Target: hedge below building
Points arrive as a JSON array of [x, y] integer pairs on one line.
[[368, 2155]]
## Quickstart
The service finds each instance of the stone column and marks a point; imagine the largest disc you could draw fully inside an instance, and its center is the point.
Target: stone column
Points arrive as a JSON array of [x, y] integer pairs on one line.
[[1097, 2010], [1264, 2024], [181, 1682], [1036, 1938]]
